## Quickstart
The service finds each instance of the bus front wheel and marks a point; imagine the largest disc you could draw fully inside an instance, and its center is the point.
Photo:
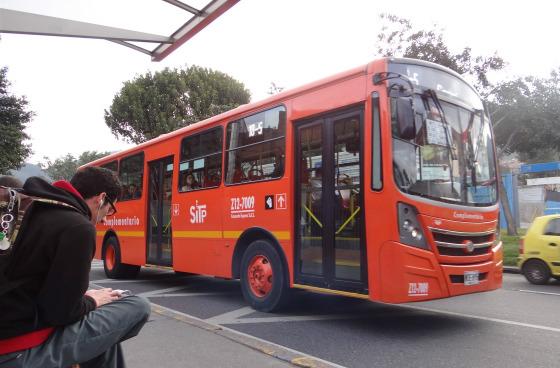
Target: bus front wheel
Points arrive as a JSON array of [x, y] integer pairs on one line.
[[114, 269], [263, 278]]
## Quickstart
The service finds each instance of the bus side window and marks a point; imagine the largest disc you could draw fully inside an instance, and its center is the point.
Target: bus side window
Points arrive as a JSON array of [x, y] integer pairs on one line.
[[201, 160], [256, 147], [113, 166], [131, 175]]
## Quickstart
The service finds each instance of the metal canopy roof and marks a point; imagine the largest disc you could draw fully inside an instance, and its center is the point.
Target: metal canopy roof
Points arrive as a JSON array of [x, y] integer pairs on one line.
[[12, 21]]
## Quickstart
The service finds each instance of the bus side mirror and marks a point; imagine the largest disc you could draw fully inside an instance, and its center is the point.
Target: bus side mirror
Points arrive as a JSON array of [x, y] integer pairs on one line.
[[405, 118]]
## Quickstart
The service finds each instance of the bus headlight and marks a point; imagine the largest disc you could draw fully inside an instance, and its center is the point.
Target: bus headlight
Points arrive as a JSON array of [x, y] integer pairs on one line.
[[410, 231]]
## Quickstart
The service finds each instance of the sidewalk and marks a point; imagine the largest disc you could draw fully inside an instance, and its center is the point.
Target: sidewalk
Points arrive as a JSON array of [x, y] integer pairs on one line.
[[173, 340]]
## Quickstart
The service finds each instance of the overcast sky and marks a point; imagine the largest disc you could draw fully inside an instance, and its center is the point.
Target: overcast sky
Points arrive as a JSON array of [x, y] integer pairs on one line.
[[70, 82]]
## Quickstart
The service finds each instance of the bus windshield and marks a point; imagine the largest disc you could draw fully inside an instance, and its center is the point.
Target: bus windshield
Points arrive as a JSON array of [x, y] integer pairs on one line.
[[451, 156]]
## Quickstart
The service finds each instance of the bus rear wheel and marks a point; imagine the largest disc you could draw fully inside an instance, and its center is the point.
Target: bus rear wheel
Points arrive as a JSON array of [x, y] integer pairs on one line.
[[114, 269], [263, 278]]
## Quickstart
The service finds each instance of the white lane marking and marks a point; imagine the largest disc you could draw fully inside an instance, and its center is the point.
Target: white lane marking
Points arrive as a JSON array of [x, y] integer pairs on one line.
[[497, 320], [234, 317], [163, 291], [172, 295], [147, 294], [108, 281], [331, 364], [538, 292], [230, 316], [287, 319], [173, 277]]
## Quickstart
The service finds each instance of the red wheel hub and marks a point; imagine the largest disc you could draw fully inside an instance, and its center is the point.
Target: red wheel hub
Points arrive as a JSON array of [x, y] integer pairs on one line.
[[110, 257], [260, 276]]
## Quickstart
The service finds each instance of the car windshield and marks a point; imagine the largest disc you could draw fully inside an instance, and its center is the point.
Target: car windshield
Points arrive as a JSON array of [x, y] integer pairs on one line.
[[451, 157]]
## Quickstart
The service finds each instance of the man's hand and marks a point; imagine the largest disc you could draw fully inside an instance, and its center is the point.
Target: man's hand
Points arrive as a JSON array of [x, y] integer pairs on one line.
[[102, 296]]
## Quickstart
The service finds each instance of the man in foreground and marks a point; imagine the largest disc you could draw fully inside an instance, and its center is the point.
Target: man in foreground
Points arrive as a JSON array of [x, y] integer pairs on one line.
[[52, 320]]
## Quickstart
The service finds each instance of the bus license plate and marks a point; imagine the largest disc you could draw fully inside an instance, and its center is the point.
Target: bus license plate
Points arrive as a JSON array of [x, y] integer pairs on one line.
[[471, 277]]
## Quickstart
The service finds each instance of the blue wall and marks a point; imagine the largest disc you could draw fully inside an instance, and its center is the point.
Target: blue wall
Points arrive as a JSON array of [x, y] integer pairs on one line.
[[508, 183]]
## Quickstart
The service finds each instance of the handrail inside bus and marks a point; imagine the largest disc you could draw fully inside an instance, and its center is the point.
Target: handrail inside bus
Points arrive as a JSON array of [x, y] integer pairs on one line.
[[313, 216], [347, 221]]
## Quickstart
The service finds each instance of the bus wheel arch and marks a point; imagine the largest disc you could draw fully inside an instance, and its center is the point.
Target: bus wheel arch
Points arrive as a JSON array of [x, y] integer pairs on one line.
[[249, 236], [261, 265], [111, 256]]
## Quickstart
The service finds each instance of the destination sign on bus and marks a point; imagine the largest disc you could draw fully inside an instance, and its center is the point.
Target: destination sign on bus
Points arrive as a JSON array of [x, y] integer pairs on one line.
[[255, 128]]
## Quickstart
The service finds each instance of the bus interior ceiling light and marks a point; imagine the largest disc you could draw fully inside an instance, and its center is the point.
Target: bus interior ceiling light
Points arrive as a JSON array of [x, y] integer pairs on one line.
[[12, 21]]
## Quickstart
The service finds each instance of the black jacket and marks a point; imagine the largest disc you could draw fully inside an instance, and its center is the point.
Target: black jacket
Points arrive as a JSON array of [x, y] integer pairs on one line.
[[55, 250]]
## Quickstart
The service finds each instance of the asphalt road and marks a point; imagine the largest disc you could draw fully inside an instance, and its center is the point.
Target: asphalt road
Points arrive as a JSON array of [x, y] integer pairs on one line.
[[517, 326]]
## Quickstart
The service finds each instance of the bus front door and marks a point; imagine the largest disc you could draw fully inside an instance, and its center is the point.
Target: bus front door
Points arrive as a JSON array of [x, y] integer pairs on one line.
[[159, 212], [330, 246]]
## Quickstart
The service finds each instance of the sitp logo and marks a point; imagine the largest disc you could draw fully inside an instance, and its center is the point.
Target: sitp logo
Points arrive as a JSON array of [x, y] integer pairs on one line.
[[198, 213]]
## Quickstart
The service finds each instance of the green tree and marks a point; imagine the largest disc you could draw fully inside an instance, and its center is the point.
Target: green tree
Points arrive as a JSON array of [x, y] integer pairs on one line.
[[63, 168], [398, 38], [526, 116], [158, 103], [14, 117]]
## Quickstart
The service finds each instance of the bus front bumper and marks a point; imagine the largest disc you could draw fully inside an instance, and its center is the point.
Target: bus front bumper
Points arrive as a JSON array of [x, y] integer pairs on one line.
[[408, 274]]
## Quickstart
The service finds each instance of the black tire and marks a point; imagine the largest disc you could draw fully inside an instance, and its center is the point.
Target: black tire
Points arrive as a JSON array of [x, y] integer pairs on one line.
[[114, 269], [264, 281], [536, 272]]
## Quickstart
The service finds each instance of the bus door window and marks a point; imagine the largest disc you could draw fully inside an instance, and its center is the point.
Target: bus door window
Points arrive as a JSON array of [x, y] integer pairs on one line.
[[311, 186], [160, 194], [347, 203]]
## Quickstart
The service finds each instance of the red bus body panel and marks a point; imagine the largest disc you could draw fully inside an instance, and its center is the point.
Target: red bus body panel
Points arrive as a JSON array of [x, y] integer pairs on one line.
[[395, 272]]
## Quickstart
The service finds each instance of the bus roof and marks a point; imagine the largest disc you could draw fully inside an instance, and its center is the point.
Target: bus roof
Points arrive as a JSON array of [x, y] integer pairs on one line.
[[240, 110]]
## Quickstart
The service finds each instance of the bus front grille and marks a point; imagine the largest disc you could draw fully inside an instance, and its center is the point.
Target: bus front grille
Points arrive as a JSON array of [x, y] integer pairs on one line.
[[462, 244]]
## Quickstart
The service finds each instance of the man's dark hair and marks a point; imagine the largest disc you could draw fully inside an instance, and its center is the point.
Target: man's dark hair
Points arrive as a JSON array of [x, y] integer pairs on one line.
[[90, 181], [10, 181]]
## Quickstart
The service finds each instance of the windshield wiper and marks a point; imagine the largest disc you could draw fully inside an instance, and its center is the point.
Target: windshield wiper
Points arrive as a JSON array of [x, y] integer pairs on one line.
[[479, 138], [452, 154], [448, 138], [472, 157]]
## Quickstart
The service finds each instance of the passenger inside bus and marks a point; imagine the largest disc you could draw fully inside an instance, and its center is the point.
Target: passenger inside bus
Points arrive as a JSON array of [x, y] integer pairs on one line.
[[213, 179], [316, 183], [190, 183], [278, 164], [238, 173], [131, 192]]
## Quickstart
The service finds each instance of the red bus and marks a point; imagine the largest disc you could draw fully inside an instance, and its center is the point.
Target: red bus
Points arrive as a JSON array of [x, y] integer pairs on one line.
[[378, 183]]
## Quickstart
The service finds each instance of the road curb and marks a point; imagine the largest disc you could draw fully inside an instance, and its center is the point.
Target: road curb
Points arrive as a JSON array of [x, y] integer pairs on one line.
[[283, 353], [511, 269]]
